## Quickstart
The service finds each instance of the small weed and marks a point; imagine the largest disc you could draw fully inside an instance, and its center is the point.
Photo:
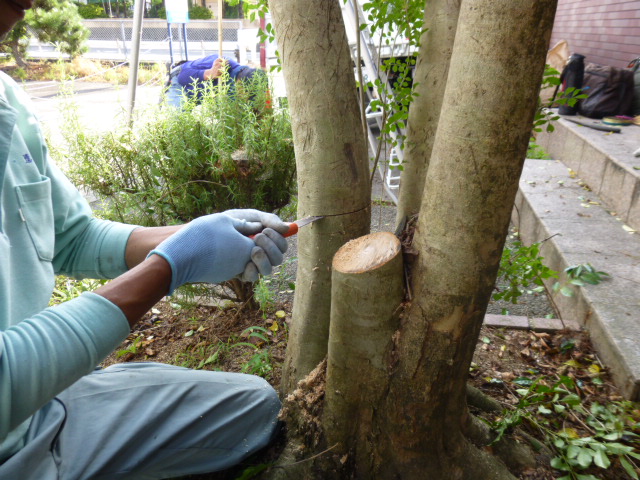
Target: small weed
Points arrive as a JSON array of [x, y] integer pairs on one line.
[[264, 296], [259, 362], [205, 355], [521, 267], [535, 151], [131, 349]]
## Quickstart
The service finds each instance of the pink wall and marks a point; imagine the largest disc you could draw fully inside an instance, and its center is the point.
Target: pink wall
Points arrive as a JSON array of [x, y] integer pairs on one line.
[[605, 31]]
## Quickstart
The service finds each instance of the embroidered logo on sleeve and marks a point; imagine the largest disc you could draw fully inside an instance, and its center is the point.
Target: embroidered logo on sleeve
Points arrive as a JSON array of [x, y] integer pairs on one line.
[[27, 158]]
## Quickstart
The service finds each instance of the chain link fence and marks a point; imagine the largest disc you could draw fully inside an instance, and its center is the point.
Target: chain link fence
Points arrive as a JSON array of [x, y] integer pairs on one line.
[[110, 39]]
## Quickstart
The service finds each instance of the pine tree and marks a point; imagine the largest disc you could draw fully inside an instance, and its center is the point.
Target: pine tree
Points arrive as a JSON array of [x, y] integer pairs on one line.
[[55, 21]]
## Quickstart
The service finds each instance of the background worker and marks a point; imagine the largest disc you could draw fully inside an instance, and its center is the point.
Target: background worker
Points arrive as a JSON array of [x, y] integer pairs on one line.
[[188, 79], [60, 417]]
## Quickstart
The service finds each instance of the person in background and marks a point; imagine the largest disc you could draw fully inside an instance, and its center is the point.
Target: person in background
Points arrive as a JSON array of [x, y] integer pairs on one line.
[[188, 79], [60, 417]]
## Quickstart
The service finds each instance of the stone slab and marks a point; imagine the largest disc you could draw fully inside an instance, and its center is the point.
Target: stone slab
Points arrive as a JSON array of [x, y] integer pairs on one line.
[[611, 310], [506, 321], [604, 161]]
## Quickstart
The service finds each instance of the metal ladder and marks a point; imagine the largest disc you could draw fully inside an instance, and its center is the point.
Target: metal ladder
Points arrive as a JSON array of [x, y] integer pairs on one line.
[[370, 57]]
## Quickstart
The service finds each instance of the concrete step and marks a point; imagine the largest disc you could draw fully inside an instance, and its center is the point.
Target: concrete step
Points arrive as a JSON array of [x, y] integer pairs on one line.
[[604, 161], [553, 202]]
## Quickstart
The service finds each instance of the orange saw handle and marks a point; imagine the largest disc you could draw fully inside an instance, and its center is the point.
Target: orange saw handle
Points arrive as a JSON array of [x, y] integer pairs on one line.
[[293, 229]]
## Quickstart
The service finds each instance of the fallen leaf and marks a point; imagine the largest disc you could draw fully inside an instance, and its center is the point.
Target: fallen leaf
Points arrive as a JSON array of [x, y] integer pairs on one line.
[[281, 314], [573, 363], [594, 368], [150, 352], [569, 433]]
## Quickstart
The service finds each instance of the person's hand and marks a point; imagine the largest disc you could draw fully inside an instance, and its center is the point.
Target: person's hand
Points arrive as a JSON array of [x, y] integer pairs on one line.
[[216, 69], [209, 249], [270, 244]]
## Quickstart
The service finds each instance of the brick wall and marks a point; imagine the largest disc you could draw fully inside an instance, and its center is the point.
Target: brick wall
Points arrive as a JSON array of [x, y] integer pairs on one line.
[[605, 31]]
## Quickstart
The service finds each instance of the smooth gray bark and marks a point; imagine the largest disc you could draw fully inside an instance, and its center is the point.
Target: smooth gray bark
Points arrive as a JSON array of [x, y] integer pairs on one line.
[[432, 69], [331, 160]]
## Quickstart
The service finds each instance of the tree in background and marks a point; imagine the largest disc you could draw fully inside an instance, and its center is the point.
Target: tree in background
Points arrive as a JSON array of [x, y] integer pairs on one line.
[[54, 21]]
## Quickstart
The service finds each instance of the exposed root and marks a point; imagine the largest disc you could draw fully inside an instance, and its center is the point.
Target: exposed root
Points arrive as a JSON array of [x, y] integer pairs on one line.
[[481, 401], [518, 451]]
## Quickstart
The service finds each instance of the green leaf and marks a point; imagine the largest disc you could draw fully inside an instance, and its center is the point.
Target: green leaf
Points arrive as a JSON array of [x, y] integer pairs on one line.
[[543, 410], [601, 459], [566, 291], [559, 464], [572, 399], [573, 451], [585, 457], [524, 381], [559, 408], [628, 468]]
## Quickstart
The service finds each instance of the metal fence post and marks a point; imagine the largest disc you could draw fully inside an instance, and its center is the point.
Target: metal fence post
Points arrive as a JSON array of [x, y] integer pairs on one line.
[[136, 36]]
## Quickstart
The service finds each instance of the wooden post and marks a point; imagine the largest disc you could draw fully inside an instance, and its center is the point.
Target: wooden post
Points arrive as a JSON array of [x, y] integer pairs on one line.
[[367, 290]]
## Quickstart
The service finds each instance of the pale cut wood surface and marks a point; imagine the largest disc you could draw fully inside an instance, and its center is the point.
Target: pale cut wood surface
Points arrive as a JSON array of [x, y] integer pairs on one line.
[[366, 253]]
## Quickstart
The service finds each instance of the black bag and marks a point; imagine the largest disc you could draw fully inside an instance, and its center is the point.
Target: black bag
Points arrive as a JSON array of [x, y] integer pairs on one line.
[[635, 67], [572, 77], [609, 90]]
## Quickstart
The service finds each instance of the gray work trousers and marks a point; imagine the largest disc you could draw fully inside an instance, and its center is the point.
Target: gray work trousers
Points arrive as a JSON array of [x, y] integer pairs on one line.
[[146, 421]]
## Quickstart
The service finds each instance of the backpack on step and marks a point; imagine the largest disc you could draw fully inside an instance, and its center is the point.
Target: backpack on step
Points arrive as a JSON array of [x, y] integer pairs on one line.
[[610, 91], [635, 67]]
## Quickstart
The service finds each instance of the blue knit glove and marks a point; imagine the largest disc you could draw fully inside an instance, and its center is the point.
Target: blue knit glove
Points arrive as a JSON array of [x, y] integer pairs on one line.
[[208, 249], [270, 244]]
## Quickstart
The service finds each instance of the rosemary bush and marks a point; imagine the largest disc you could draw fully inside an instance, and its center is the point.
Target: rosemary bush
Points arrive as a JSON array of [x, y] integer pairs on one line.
[[230, 151]]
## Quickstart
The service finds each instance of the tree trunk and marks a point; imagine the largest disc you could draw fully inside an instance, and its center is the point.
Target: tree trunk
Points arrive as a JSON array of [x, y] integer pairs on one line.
[[18, 55], [432, 68], [483, 132], [331, 161], [367, 275]]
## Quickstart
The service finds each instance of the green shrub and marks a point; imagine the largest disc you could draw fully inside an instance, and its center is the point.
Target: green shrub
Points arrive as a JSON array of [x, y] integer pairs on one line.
[[199, 13], [90, 11], [231, 151]]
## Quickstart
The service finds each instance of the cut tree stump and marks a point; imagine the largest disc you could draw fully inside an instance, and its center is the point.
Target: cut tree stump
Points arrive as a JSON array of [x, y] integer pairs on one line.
[[366, 293]]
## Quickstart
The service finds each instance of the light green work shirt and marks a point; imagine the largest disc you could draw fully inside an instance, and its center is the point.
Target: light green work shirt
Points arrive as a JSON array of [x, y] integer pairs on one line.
[[46, 228]]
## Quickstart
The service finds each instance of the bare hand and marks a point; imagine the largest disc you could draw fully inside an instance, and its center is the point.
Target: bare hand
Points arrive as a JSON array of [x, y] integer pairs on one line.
[[216, 69]]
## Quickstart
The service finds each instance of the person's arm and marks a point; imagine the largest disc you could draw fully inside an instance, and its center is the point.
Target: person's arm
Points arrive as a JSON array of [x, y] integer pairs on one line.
[[145, 239], [136, 291], [208, 241]]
